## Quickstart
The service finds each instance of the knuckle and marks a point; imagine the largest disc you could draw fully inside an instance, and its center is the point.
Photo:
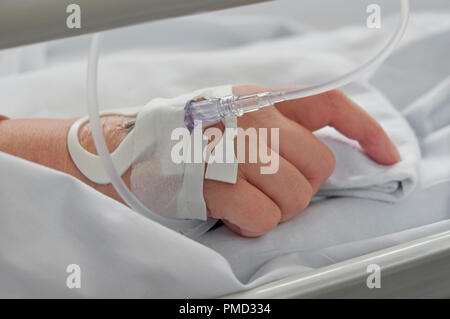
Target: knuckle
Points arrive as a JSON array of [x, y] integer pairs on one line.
[[328, 164], [335, 97], [271, 219], [260, 216], [324, 165], [268, 217], [298, 198]]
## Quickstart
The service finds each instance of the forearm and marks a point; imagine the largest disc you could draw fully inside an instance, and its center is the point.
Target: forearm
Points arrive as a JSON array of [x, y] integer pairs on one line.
[[44, 141]]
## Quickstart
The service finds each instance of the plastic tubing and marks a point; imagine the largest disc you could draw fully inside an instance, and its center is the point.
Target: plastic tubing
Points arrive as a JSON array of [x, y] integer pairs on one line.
[[211, 111], [190, 228], [347, 78]]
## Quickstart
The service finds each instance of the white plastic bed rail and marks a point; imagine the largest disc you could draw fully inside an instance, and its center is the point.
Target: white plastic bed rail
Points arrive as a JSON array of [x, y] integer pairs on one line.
[[419, 268], [28, 21]]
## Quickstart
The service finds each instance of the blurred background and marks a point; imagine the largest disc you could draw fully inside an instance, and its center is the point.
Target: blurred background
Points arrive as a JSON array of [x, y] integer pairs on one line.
[[276, 43]]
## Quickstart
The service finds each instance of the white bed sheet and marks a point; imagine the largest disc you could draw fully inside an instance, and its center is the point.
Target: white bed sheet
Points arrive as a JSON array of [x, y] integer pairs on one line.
[[49, 220]]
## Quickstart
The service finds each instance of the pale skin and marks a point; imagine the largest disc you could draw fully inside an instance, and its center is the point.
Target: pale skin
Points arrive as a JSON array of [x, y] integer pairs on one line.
[[256, 203]]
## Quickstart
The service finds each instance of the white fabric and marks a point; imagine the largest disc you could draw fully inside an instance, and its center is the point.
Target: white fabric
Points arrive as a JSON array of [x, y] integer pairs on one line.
[[356, 175], [49, 220]]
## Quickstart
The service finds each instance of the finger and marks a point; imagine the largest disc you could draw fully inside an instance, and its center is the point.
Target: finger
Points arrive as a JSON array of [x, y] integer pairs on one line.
[[252, 212], [335, 109], [297, 145], [288, 188]]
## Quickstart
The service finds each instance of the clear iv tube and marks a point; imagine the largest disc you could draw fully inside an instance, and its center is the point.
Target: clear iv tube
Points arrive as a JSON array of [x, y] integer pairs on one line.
[[347, 78], [190, 228], [213, 110]]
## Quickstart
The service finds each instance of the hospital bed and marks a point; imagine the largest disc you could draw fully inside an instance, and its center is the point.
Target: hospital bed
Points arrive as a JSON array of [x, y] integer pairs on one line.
[[24, 22], [416, 268]]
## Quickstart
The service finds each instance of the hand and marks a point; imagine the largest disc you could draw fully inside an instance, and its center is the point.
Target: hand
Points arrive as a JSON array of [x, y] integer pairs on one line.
[[258, 203]]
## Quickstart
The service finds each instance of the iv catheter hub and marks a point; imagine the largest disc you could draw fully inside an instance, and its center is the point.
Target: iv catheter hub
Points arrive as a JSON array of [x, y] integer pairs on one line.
[[211, 111]]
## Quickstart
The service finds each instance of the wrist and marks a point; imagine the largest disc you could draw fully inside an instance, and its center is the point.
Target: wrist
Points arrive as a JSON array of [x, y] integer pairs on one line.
[[115, 129]]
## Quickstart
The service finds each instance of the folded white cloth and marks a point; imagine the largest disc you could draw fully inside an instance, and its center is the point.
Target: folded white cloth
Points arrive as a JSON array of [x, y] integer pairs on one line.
[[356, 175]]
